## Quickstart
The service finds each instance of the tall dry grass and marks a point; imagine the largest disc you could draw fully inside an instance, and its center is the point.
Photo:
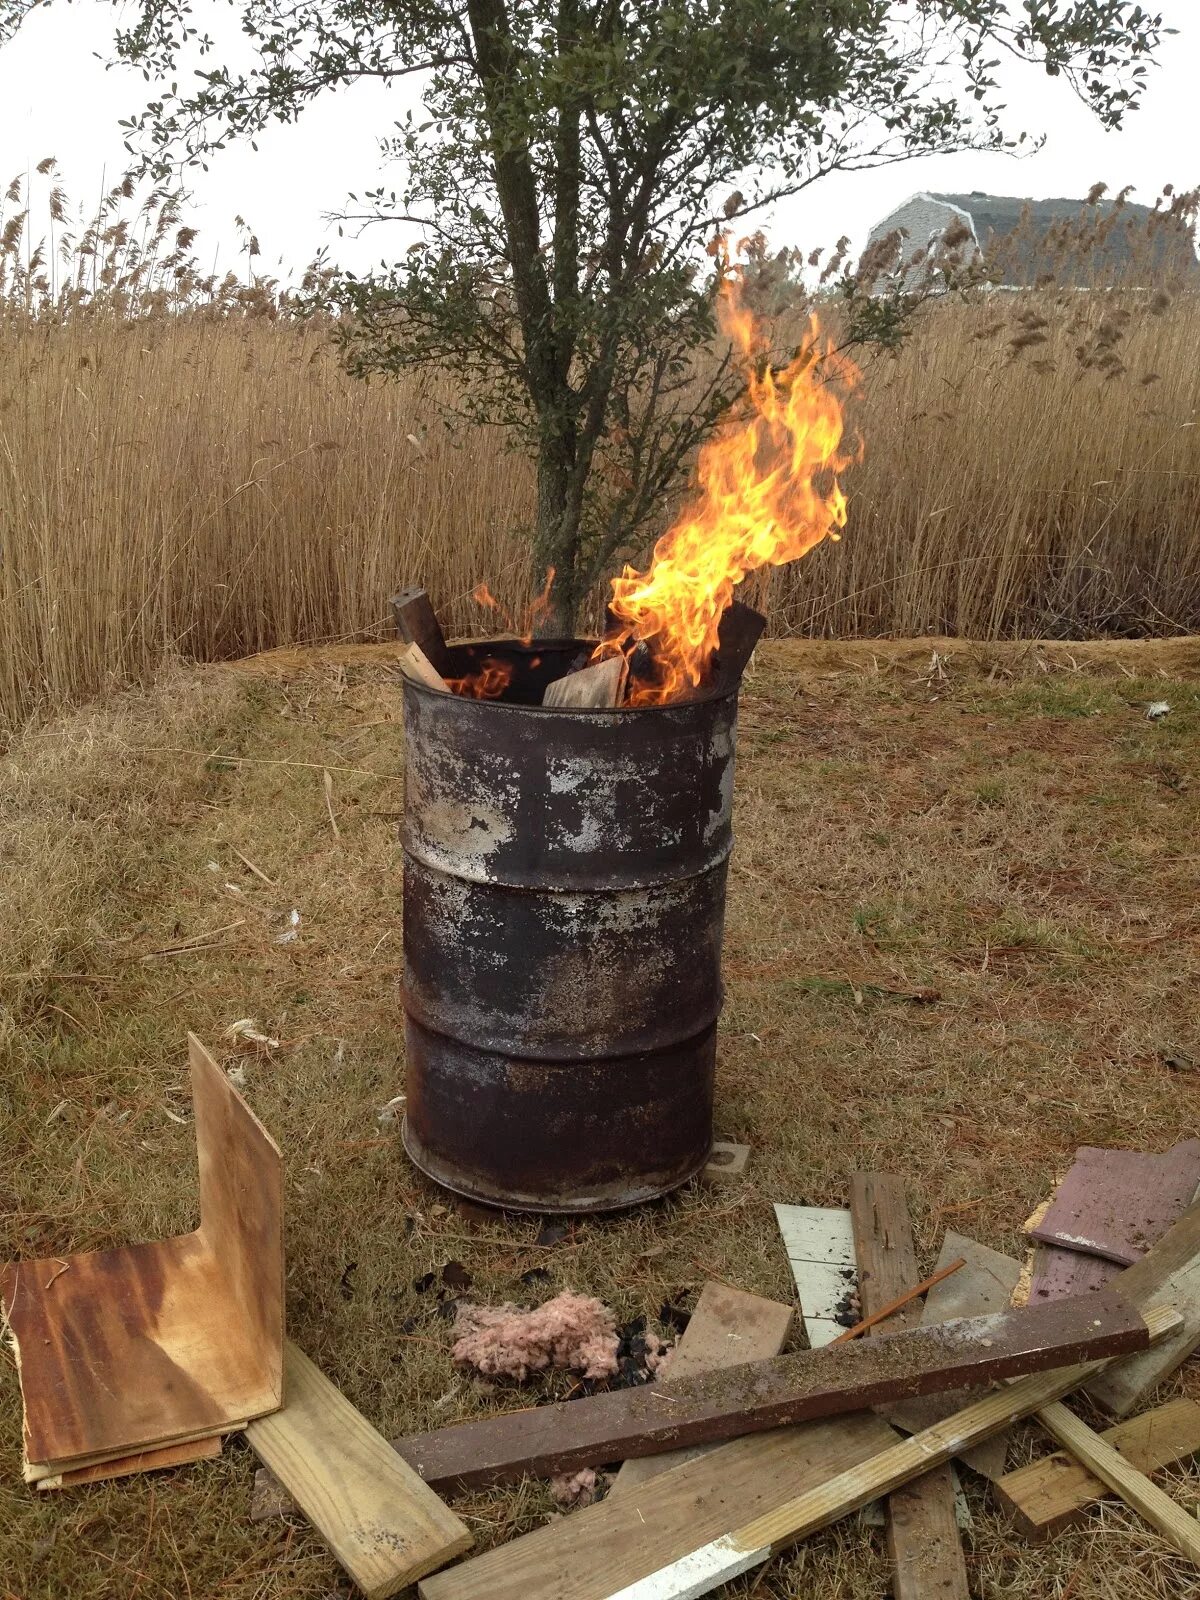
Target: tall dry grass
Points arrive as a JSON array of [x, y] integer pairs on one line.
[[185, 470]]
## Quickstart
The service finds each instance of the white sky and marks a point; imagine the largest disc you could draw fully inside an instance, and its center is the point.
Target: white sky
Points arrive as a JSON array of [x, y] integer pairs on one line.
[[57, 99]]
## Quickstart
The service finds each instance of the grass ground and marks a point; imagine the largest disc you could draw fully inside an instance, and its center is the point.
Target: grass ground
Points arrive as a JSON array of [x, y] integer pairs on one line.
[[1014, 835]]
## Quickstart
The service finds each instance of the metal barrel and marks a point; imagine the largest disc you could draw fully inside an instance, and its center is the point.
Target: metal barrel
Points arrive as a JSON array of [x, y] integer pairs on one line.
[[564, 895]]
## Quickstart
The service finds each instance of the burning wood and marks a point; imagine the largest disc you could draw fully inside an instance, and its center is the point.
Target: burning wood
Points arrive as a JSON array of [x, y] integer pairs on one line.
[[600, 684]]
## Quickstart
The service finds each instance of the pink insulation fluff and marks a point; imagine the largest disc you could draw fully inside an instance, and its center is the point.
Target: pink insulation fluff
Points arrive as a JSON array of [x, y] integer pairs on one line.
[[571, 1489], [572, 1331]]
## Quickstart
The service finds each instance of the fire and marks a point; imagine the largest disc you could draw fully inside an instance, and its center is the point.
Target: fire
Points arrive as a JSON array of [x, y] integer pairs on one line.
[[492, 678], [766, 492]]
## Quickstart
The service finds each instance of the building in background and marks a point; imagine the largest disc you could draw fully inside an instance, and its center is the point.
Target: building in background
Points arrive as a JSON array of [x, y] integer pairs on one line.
[[1020, 243]]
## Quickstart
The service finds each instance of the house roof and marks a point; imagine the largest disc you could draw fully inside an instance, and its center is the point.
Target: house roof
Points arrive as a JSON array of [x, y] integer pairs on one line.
[[1127, 239]]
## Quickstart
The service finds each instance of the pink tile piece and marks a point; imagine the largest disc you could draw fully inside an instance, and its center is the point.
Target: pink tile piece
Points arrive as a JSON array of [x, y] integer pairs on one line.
[[1116, 1203]]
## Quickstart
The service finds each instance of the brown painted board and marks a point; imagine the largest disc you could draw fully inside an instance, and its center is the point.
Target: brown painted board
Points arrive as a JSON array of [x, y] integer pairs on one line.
[[770, 1394], [169, 1455], [922, 1532], [384, 1525], [417, 623], [601, 684], [1167, 1275], [1058, 1272], [985, 1284], [749, 1545], [122, 1350], [615, 1543], [1117, 1203], [727, 1328], [1053, 1494]]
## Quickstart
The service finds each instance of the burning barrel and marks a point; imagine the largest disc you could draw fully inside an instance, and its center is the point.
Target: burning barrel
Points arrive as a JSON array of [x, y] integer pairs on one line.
[[564, 894]]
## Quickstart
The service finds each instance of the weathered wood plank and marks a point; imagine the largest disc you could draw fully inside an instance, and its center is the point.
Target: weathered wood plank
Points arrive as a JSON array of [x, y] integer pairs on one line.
[[1167, 1275], [1058, 1273], [417, 623], [727, 1328], [771, 1394], [1116, 1203], [922, 1534], [384, 1525], [125, 1350], [819, 1241], [619, 1542], [1053, 1494], [807, 1513], [1176, 1526], [985, 1284]]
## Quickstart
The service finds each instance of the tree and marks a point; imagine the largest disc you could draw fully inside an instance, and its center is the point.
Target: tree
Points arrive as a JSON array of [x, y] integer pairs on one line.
[[573, 159]]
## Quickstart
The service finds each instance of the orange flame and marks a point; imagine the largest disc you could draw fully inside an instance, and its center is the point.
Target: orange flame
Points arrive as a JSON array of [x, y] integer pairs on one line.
[[487, 682], [767, 491], [492, 678]]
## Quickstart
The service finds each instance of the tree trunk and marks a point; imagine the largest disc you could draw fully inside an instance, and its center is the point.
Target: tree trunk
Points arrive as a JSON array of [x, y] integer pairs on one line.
[[556, 537]]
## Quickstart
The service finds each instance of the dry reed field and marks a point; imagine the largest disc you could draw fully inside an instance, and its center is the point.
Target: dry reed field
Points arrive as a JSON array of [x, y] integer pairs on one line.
[[185, 470], [1014, 840]]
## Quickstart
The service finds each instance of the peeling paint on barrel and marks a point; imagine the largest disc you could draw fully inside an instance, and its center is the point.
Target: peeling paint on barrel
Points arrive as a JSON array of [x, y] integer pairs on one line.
[[563, 907]]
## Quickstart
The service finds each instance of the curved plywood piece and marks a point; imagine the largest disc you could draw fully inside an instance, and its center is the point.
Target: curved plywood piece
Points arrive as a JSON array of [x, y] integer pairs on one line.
[[122, 1350]]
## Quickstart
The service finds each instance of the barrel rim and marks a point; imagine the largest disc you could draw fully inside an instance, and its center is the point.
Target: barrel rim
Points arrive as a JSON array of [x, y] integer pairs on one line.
[[719, 690]]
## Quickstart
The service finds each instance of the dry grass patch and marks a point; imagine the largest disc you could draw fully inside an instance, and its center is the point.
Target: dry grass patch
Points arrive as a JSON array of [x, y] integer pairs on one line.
[[1015, 839]]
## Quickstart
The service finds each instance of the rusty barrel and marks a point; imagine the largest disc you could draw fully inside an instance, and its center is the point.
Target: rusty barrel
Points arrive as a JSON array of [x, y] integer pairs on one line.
[[564, 894]]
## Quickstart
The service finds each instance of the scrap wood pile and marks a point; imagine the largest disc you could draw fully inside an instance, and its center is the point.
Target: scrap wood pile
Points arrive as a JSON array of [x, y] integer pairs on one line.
[[617, 672], [732, 1450]]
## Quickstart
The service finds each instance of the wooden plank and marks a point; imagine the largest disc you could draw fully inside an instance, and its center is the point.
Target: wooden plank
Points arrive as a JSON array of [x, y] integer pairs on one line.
[[1058, 1273], [1116, 1203], [985, 1284], [922, 1533], [416, 665], [807, 1513], [1167, 1275], [770, 1394], [383, 1524], [417, 623], [727, 1328], [170, 1455], [600, 684], [149, 1344], [37, 1472], [1175, 1524], [738, 633], [619, 1542], [819, 1241], [1053, 1494]]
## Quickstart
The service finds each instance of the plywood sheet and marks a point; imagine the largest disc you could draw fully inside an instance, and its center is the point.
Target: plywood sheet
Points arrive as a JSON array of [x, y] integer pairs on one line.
[[121, 1350]]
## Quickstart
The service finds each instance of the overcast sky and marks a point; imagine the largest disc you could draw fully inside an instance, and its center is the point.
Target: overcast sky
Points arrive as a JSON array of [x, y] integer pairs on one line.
[[56, 98]]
